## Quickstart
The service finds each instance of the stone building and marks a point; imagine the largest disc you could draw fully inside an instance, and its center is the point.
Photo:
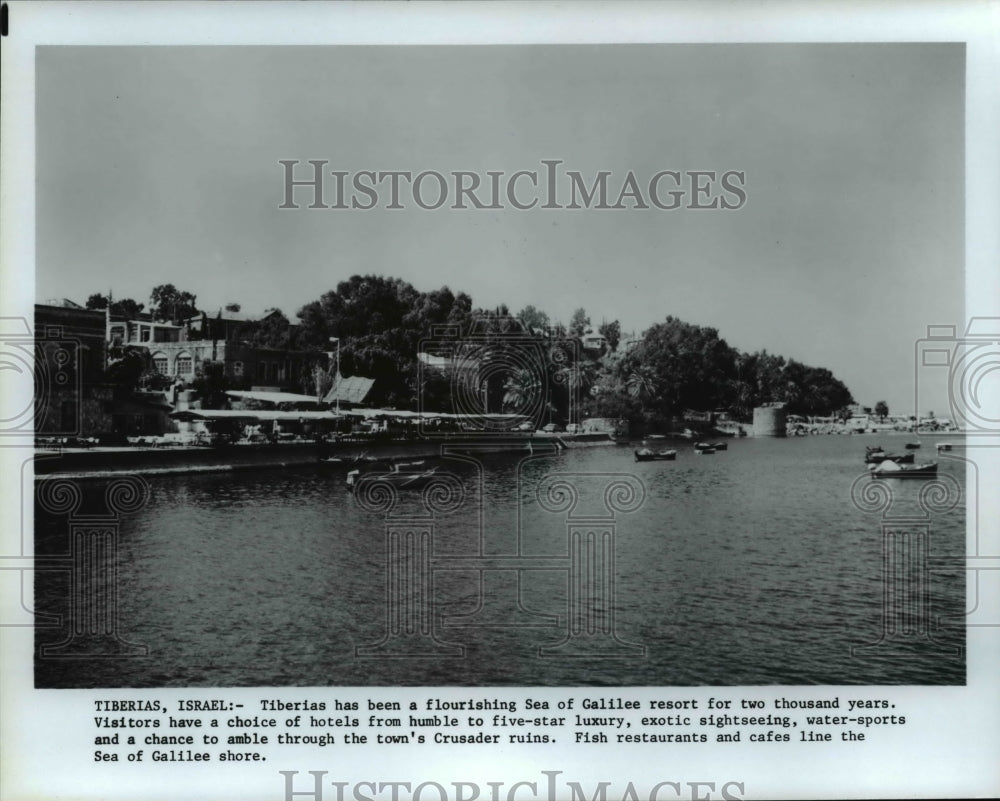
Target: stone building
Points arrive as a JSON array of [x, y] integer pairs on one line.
[[179, 350]]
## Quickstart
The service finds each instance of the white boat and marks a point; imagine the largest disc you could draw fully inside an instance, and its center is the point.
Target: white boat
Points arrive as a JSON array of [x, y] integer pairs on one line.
[[891, 469]]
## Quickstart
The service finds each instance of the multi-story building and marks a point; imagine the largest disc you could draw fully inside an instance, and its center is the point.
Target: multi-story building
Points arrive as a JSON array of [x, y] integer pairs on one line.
[[180, 350]]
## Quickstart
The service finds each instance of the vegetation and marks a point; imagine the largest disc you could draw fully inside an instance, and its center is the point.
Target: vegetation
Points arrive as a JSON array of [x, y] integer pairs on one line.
[[169, 304], [503, 362], [126, 307], [130, 368], [211, 382]]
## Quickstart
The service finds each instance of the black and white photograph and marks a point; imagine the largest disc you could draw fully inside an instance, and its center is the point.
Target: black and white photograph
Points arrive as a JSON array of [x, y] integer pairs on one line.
[[391, 406]]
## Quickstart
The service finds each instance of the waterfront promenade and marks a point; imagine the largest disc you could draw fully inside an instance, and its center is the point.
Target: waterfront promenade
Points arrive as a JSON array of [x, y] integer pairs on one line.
[[105, 462]]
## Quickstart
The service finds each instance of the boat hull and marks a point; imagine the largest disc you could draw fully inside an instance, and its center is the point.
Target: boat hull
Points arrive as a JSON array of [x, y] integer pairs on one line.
[[663, 456], [898, 458], [918, 471]]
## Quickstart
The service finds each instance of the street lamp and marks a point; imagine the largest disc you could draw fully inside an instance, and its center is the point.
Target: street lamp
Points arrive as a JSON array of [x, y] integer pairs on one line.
[[336, 340]]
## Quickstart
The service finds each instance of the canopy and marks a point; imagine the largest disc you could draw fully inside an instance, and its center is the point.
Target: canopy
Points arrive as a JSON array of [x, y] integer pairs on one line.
[[273, 397], [251, 417]]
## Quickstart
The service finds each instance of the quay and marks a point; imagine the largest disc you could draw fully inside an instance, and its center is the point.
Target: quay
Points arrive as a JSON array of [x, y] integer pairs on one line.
[[110, 462]]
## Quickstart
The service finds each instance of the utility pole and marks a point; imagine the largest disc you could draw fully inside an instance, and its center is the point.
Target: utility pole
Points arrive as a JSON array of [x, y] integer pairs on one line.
[[337, 375]]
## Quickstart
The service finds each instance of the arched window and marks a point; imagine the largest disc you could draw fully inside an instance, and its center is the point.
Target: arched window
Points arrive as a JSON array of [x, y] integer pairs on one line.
[[185, 366], [160, 363]]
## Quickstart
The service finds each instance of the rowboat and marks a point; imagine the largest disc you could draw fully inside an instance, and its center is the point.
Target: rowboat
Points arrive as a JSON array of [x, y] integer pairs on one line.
[[721, 446], [879, 456], [703, 448], [401, 475], [646, 455], [889, 469]]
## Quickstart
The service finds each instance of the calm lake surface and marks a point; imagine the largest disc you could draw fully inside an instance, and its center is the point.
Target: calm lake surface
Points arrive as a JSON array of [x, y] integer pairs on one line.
[[751, 566]]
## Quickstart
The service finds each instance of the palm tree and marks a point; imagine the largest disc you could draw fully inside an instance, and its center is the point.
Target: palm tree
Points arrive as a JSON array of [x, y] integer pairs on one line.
[[520, 390], [642, 384]]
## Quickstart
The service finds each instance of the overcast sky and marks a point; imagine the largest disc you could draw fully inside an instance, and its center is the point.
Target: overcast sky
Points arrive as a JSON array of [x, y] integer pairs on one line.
[[160, 164]]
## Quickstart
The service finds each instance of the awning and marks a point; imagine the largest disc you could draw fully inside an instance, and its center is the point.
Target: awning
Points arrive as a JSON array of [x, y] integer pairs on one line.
[[250, 417], [273, 397]]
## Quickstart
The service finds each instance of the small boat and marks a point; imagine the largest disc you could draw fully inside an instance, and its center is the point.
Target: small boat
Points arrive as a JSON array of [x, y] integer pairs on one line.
[[879, 456], [352, 461], [646, 455], [721, 446], [889, 469], [703, 448], [944, 446], [402, 475], [912, 446]]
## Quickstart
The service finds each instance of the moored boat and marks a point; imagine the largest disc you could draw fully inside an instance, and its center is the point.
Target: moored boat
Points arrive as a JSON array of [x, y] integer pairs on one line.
[[401, 475], [721, 446], [879, 456], [912, 446], [647, 455], [944, 446], [703, 448], [890, 469]]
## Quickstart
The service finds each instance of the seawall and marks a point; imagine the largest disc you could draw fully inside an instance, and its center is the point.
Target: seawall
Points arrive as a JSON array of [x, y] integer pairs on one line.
[[110, 462]]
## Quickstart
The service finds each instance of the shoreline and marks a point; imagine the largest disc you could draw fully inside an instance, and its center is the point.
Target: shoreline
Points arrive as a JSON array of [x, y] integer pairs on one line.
[[98, 463]]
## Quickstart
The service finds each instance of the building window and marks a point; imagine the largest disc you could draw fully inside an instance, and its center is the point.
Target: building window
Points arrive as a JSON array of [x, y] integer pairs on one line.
[[237, 369], [160, 364], [184, 366], [144, 334], [261, 371]]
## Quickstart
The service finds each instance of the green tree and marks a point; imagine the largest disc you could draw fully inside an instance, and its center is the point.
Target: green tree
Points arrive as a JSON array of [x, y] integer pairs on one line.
[[693, 367], [882, 410], [612, 333], [131, 368], [272, 331], [520, 390], [97, 301], [126, 307], [168, 303], [642, 384], [533, 318], [579, 322], [211, 382]]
